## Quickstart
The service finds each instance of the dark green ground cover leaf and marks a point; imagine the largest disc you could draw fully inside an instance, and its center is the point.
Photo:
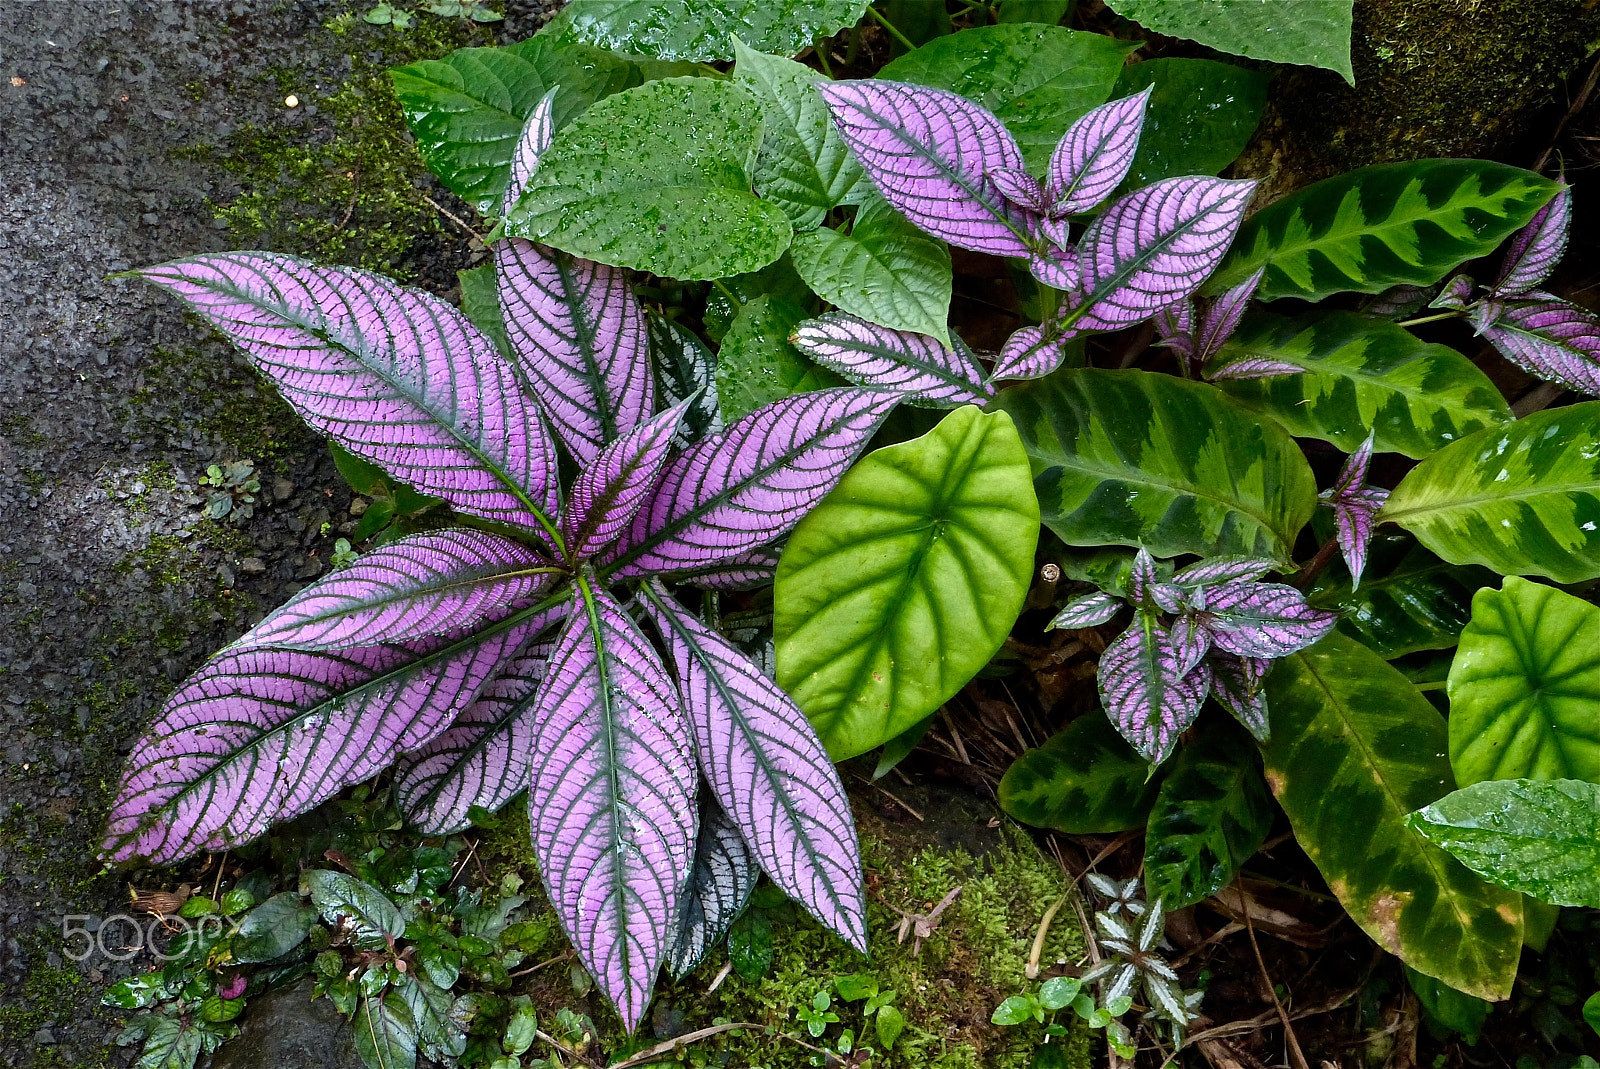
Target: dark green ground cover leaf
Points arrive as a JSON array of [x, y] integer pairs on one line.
[[347, 901], [1199, 119], [386, 1032], [1451, 1008], [273, 928], [1282, 31], [1409, 599], [1085, 780], [701, 30]]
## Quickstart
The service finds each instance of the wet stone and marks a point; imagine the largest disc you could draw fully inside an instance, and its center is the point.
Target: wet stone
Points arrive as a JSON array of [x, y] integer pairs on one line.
[[284, 1029]]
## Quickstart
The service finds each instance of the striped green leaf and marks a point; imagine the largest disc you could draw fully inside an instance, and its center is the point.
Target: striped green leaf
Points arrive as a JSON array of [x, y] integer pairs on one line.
[[1131, 458], [1362, 375], [1408, 600], [1355, 748], [1523, 499], [1085, 780], [1382, 226], [905, 580]]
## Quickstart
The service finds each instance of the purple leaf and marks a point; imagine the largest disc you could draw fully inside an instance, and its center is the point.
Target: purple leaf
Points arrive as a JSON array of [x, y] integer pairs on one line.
[[1031, 353], [260, 734], [925, 370], [1223, 569], [1057, 268], [1222, 318], [725, 872], [1020, 188], [928, 151], [394, 375], [745, 572], [769, 770], [737, 491], [1058, 232], [1237, 684], [1355, 507], [1534, 251], [609, 492], [1142, 577], [612, 800], [1146, 697], [1154, 247], [1456, 294], [580, 341], [1263, 619], [1175, 328], [1550, 339], [1091, 610], [1094, 155], [1398, 302], [1255, 368], [1191, 641], [537, 133], [424, 584]]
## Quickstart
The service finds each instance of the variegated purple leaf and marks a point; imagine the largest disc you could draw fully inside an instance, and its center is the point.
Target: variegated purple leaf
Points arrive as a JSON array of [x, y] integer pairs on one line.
[[1355, 508], [1175, 328], [612, 800], [580, 341], [1263, 619], [1094, 155], [537, 133], [260, 734], [1031, 353], [1091, 610], [748, 486], [485, 757], [745, 572], [1057, 268], [923, 369], [1222, 317], [609, 492], [1214, 570], [1170, 597], [725, 872], [1534, 251], [1398, 302], [394, 375], [1191, 640], [928, 152], [1020, 188], [422, 584], [1145, 695], [1237, 684], [1058, 232], [1455, 295], [1549, 339], [1254, 368], [1142, 577], [1353, 476], [769, 770], [1154, 247]]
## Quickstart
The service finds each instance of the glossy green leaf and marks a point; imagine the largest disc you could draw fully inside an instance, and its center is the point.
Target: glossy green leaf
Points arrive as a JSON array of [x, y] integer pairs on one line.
[[467, 110], [273, 928], [1525, 687], [1409, 599], [777, 279], [343, 900], [1211, 815], [756, 364], [804, 166], [1354, 749], [701, 30], [1591, 1012], [1523, 499], [883, 269], [1282, 31], [899, 748], [1035, 78], [1200, 117], [386, 1032], [1377, 227], [895, 590], [1133, 458], [480, 302], [1049, 12], [1085, 780], [1448, 1007], [1539, 837], [1362, 375], [657, 178]]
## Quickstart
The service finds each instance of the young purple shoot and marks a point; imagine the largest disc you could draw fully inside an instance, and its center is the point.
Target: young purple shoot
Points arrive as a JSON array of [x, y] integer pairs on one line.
[[1196, 336], [1094, 155], [1534, 251], [1355, 508]]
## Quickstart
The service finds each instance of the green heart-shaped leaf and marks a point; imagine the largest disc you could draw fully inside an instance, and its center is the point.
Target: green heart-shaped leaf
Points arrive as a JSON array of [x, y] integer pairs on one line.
[[1283, 31], [1085, 780], [701, 30], [1199, 119], [756, 365]]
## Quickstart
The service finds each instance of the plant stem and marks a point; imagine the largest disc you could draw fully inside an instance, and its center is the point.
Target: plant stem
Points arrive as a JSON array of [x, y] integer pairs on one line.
[[1314, 566], [820, 47], [726, 292], [1428, 319], [887, 25]]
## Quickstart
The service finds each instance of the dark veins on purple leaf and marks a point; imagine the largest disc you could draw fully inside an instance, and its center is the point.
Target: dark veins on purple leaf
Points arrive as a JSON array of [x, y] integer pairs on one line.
[[1355, 508]]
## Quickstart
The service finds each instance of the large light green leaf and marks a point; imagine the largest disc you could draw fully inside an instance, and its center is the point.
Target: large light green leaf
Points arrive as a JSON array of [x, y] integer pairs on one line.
[[1408, 600], [1354, 749], [701, 30], [1525, 687], [467, 110], [1362, 375], [804, 167], [658, 178], [1200, 116], [756, 364], [1383, 226], [1540, 837], [1085, 780], [1132, 458], [884, 270], [895, 590], [1523, 499], [1035, 78], [1315, 33]]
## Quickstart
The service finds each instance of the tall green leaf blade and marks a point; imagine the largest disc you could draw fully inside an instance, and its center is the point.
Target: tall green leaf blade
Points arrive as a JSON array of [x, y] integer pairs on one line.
[[1362, 376], [1523, 499], [1085, 780], [1525, 687], [1409, 599], [895, 590], [1354, 749], [701, 30], [657, 178], [756, 365], [1132, 458], [884, 270], [1377, 227], [1035, 78], [1282, 31], [1199, 119]]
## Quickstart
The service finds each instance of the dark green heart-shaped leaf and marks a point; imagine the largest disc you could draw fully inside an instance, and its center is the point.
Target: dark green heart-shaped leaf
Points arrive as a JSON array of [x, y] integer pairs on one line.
[[1132, 458], [1283, 31], [1523, 499], [1354, 750], [1525, 687], [1199, 119], [905, 580], [1085, 780], [702, 30], [1409, 599], [756, 365]]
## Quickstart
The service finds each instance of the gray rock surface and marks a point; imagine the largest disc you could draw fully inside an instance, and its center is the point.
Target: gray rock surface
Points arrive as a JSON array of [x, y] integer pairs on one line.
[[286, 1030]]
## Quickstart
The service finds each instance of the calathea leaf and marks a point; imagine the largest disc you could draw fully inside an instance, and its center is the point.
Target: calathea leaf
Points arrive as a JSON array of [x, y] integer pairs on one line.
[[1524, 687], [1523, 499], [608, 493], [347, 902], [537, 134], [725, 872], [394, 375], [686, 371], [757, 365], [1280, 31], [1146, 694], [1547, 338], [612, 799], [1409, 601], [1201, 115], [1094, 155], [1238, 685], [1085, 780], [702, 30], [768, 770], [1534, 251], [924, 369], [748, 486]]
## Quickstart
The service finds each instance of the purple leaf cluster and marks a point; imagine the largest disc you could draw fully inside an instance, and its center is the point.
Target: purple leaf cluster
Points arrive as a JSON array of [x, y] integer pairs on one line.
[[1212, 628], [1355, 508], [534, 647]]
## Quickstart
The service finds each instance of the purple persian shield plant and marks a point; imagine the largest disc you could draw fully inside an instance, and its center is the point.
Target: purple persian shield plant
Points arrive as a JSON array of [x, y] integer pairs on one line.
[[1536, 249], [725, 873], [1355, 508], [1094, 155], [537, 134], [1197, 337], [1237, 684], [1547, 338], [923, 369], [1147, 695]]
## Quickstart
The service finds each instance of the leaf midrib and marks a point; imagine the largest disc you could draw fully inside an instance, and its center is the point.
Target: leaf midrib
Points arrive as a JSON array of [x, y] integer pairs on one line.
[[1510, 495]]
